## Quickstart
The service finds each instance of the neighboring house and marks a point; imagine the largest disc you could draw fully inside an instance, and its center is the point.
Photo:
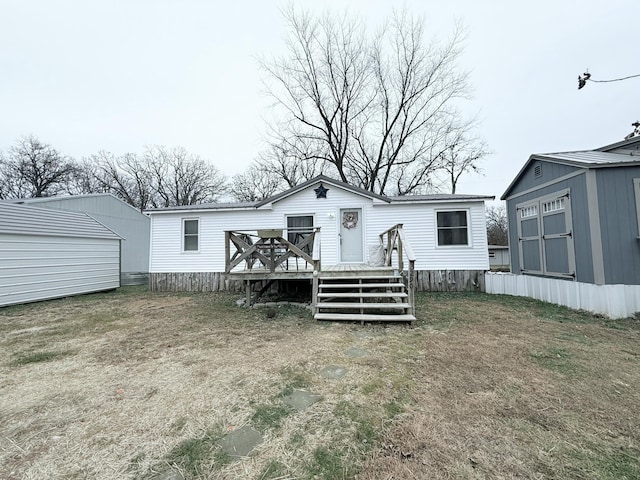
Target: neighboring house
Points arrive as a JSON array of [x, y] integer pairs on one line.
[[499, 257], [202, 247], [131, 225], [47, 254], [576, 215]]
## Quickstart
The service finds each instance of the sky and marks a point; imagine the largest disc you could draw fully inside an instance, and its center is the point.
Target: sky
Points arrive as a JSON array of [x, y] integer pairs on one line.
[[116, 75]]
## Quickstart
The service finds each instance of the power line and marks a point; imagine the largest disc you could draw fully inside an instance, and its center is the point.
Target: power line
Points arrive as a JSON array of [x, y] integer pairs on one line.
[[586, 77]]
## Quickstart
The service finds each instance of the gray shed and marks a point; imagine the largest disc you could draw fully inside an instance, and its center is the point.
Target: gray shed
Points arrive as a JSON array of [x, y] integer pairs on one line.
[[576, 215], [122, 218], [46, 253]]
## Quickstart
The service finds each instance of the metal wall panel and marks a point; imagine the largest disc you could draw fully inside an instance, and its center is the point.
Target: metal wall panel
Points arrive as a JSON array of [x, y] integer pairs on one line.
[[41, 267], [123, 219], [617, 203]]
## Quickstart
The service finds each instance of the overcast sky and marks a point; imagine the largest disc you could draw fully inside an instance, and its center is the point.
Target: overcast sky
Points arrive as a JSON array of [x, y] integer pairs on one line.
[[88, 75]]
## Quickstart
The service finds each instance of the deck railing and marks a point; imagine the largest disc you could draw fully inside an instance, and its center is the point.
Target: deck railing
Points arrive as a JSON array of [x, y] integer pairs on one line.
[[268, 249], [395, 240]]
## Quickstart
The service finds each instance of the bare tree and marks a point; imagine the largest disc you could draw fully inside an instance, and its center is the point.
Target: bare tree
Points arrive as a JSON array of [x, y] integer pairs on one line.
[[34, 169], [374, 109], [254, 185], [497, 228], [181, 178], [461, 155], [127, 177]]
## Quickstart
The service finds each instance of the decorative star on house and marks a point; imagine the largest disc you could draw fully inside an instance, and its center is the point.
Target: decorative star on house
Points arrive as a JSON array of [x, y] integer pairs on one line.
[[321, 191]]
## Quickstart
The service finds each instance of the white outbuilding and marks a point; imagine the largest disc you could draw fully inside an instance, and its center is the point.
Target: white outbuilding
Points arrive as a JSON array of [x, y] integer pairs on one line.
[[46, 254]]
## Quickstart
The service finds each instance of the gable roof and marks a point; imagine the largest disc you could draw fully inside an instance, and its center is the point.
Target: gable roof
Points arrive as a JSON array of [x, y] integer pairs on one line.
[[322, 179], [22, 219], [599, 158], [72, 198], [438, 197]]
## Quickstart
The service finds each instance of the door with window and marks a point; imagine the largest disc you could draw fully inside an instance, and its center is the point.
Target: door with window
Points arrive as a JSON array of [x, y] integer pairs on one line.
[[351, 249], [545, 236]]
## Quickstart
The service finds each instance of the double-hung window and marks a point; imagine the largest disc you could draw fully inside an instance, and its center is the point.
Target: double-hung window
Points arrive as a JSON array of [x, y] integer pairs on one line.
[[190, 234], [299, 227], [453, 227]]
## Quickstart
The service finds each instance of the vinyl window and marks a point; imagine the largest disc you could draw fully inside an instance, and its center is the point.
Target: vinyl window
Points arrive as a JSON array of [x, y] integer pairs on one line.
[[190, 234], [453, 228]]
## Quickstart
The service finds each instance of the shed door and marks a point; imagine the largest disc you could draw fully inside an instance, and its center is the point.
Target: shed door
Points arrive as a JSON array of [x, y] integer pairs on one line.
[[545, 237], [351, 235]]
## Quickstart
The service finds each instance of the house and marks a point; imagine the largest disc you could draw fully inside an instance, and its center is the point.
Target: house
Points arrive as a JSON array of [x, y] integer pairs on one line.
[[576, 215], [48, 254], [128, 222], [499, 257], [319, 229]]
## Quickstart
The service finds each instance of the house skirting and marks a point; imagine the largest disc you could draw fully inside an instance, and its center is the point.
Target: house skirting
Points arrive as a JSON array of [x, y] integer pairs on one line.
[[426, 281]]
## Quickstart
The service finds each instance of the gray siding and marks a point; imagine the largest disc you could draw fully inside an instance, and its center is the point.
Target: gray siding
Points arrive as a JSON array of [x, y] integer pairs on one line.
[[550, 172], [581, 235], [126, 221], [618, 222]]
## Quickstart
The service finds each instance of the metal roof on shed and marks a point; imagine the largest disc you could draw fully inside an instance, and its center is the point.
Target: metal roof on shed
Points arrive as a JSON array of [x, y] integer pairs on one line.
[[27, 220]]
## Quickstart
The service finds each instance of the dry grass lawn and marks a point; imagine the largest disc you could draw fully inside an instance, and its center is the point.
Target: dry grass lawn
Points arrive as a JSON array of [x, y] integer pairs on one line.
[[131, 384]]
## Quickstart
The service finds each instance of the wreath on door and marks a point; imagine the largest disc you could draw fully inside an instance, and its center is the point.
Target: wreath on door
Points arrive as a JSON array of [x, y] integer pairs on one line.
[[350, 220]]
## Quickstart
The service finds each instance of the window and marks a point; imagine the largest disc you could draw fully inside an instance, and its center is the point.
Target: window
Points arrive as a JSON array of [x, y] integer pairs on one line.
[[553, 205], [299, 228], [530, 211], [190, 233], [453, 228]]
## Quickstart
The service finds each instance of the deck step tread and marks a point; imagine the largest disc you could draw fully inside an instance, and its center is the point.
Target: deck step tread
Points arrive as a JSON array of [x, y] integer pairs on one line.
[[361, 285], [366, 317], [362, 295], [361, 305]]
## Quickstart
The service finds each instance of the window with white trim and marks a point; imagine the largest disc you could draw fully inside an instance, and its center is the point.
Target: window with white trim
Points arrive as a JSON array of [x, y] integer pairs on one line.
[[530, 211], [453, 228], [553, 205], [299, 227], [190, 234]]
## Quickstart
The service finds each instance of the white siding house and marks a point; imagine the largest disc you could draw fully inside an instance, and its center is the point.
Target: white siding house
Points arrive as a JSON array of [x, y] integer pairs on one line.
[[446, 232], [48, 254]]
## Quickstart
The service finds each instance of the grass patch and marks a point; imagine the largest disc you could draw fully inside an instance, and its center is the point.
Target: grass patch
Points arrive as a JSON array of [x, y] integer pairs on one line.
[[605, 464], [194, 455], [557, 359], [273, 470], [269, 417], [328, 464], [365, 432], [38, 357], [480, 386]]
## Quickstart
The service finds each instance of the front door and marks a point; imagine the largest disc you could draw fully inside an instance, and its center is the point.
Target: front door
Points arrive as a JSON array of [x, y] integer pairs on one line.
[[351, 235]]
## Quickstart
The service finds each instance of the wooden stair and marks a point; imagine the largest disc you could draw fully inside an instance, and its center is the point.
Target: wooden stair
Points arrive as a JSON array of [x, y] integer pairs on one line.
[[363, 298]]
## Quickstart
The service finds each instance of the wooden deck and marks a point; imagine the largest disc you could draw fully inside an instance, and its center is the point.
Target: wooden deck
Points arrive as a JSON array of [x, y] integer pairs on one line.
[[267, 256]]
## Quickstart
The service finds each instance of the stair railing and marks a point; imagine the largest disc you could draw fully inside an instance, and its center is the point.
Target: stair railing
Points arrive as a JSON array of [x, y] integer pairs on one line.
[[395, 240]]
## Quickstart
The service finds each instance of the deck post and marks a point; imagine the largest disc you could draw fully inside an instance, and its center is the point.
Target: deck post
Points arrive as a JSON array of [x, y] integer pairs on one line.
[[248, 288], [314, 292], [227, 252]]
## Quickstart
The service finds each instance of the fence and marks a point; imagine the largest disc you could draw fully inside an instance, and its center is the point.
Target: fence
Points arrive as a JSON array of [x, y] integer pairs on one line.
[[614, 301]]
